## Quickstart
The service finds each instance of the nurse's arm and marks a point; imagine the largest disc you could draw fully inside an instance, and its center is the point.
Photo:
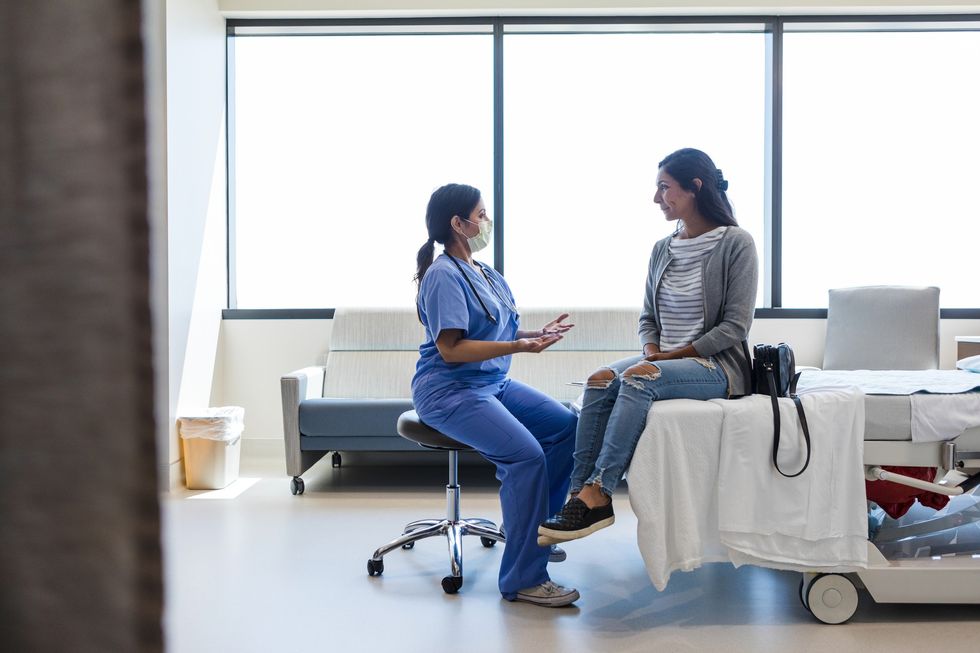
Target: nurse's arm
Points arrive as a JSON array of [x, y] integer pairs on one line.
[[454, 348]]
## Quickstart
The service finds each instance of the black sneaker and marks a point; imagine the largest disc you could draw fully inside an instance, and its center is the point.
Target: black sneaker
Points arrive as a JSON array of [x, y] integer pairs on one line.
[[576, 520]]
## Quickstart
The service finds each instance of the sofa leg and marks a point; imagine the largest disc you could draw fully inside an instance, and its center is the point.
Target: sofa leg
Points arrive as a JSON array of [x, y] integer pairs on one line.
[[336, 460]]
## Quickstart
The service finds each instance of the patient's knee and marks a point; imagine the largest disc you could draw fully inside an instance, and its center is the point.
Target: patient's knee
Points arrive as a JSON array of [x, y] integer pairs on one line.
[[642, 370], [601, 379]]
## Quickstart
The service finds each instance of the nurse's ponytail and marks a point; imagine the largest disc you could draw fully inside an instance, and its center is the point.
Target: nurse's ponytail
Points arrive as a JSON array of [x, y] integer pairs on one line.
[[424, 259], [447, 201]]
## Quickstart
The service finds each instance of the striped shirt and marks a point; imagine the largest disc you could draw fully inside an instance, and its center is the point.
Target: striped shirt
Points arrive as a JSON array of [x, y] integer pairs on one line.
[[680, 298]]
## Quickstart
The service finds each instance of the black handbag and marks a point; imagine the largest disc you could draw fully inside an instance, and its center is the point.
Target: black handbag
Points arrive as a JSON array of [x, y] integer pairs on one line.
[[773, 372]]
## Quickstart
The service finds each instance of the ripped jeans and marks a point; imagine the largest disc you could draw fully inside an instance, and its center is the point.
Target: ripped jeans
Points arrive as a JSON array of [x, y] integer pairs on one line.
[[614, 411]]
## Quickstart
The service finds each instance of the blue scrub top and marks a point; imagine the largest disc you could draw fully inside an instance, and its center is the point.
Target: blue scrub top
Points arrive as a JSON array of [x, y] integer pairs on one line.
[[446, 301]]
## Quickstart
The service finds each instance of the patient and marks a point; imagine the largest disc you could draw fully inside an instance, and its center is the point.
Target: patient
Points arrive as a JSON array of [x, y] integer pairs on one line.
[[698, 306]]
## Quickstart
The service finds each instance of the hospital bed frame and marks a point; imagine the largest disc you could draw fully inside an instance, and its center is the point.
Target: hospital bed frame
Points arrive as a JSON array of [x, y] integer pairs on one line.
[[833, 597]]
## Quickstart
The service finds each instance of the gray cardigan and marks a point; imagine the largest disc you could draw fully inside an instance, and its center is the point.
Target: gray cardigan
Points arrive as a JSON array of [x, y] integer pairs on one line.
[[731, 276]]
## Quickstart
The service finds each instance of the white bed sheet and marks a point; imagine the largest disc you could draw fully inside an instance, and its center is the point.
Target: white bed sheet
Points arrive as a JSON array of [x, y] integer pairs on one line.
[[944, 403]]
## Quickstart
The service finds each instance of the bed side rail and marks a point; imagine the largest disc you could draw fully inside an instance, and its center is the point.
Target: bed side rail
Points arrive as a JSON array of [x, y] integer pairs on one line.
[[949, 485]]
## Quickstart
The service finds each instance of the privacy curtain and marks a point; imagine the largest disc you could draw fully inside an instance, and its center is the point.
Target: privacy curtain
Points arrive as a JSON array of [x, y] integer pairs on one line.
[[79, 517]]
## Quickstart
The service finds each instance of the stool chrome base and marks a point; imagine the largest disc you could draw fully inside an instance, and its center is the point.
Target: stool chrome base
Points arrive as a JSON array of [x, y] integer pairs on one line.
[[453, 527]]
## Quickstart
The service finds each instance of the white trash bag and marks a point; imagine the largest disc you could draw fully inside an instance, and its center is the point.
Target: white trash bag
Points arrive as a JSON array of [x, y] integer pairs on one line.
[[212, 447], [224, 423]]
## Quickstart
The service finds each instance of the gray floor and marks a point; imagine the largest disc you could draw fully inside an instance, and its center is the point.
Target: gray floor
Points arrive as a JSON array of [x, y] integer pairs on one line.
[[267, 571]]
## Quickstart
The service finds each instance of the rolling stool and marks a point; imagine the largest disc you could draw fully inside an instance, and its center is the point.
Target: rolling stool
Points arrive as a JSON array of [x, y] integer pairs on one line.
[[411, 428]]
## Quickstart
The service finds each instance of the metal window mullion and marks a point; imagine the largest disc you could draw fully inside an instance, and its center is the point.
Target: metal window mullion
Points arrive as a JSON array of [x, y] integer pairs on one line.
[[230, 244], [776, 197], [498, 146]]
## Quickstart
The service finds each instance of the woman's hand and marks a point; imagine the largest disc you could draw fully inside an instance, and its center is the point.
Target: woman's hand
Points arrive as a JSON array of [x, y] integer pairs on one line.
[[687, 351], [535, 345], [555, 327]]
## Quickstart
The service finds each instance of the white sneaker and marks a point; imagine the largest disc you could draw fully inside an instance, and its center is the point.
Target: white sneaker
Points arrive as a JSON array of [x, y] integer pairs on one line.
[[549, 595], [557, 554]]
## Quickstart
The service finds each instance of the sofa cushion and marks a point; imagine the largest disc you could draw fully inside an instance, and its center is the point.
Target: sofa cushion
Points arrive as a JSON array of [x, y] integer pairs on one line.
[[345, 417], [596, 329], [552, 371], [398, 329], [373, 352], [370, 374], [376, 329]]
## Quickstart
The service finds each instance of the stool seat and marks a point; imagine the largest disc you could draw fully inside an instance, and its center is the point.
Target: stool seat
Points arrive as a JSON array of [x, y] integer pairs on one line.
[[412, 428]]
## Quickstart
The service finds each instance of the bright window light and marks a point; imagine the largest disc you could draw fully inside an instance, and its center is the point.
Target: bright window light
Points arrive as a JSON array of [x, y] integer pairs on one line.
[[880, 163], [338, 143], [587, 118]]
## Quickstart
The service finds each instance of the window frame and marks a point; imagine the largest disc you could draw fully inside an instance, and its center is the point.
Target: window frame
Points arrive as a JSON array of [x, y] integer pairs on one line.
[[772, 26]]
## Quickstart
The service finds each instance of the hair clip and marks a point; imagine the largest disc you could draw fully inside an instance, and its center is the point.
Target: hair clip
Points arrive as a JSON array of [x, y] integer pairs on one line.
[[721, 181]]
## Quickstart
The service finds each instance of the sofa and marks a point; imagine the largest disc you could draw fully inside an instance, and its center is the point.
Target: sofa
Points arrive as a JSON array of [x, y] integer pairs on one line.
[[352, 402]]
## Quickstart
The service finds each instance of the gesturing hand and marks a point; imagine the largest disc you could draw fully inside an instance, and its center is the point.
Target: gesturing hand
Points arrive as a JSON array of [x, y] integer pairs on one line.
[[555, 327], [535, 345]]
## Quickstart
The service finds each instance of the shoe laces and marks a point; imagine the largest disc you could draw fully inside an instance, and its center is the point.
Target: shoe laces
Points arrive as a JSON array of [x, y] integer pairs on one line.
[[550, 587]]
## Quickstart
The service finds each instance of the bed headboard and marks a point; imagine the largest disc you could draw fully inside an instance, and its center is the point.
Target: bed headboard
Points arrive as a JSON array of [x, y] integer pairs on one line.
[[883, 328]]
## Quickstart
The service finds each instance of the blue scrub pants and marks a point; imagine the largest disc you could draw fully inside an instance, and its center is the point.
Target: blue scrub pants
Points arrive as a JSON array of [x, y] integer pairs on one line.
[[529, 437]]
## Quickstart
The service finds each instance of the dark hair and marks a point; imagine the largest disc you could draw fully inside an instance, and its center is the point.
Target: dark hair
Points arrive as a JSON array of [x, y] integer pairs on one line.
[[685, 165], [447, 201]]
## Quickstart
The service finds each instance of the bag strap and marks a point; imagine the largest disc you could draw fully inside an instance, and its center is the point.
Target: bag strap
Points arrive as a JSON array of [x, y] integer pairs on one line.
[[792, 384], [776, 426], [747, 369]]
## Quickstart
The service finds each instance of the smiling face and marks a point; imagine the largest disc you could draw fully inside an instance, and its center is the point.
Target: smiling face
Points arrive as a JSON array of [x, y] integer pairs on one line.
[[674, 201]]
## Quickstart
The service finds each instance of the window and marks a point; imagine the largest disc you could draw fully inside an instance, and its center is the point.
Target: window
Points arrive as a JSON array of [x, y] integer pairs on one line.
[[587, 119], [338, 142], [880, 163], [849, 145]]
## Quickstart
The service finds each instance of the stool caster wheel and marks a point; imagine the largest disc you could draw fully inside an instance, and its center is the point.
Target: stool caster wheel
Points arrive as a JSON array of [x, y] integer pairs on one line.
[[451, 584], [487, 542], [296, 486], [336, 460], [408, 545], [375, 567]]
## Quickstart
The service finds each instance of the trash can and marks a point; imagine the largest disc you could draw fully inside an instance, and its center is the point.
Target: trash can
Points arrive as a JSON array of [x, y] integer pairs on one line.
[[212, 447]]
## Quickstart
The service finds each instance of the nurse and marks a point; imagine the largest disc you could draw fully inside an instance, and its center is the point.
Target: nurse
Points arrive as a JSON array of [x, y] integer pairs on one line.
[[461, 388]]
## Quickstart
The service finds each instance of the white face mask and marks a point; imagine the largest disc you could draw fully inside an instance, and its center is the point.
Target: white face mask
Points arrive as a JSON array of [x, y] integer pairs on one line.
[[482, 239]]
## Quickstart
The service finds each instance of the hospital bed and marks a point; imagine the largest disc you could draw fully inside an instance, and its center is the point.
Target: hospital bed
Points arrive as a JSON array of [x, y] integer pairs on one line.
[[897, 328], [921, 558], [926, 556]]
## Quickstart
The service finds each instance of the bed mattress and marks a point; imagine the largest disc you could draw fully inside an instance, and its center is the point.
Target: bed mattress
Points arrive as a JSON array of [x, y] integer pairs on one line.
[[887, 417]]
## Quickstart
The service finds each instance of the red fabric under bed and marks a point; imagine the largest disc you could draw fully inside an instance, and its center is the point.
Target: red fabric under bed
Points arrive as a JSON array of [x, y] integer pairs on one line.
[[896, 499]]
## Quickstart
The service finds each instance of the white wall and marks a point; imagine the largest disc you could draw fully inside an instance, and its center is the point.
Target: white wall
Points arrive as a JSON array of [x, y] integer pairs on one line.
[[196, 277], [254, 354]]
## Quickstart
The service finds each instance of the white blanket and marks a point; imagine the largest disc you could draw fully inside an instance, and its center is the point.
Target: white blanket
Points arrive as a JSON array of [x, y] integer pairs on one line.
[[815, 520], [672, 487], [676, 493]]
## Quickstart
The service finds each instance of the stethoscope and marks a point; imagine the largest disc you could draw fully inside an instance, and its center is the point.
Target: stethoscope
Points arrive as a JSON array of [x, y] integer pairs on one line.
[[493, 289]]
